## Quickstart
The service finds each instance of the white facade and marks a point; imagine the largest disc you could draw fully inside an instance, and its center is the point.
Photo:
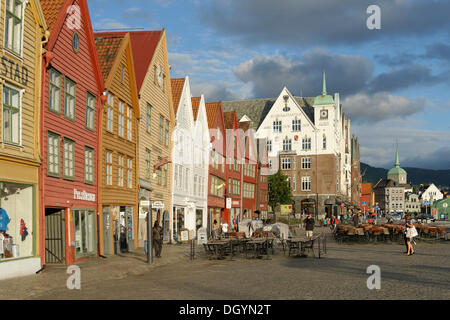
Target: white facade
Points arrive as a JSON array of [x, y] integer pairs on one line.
[[190, 165], [432, 193]]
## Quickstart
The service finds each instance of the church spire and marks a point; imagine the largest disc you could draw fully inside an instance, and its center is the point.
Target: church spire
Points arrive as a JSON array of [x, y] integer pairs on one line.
[[324, 89], [397, 161]]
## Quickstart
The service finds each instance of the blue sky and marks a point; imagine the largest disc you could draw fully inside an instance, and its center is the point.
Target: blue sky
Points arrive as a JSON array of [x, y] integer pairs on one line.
[[394, 82]]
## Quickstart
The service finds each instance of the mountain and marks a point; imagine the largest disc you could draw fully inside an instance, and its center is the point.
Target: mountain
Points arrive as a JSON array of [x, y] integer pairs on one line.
[[415, 175]]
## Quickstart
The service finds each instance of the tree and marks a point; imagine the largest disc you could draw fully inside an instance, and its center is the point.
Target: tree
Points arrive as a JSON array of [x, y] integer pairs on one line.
[[279, 190]]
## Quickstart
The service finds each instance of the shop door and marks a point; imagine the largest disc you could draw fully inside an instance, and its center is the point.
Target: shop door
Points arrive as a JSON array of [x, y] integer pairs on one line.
[[107, 234], [166, 225], [55, 240]]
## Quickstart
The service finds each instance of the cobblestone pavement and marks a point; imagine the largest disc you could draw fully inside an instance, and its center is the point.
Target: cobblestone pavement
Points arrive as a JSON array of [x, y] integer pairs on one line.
[[340, 274]]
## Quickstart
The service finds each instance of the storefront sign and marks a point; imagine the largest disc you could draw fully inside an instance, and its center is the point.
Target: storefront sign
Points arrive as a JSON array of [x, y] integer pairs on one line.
[[14, 71], [77, 195], [236, 203], [145, 203], [158, 205]]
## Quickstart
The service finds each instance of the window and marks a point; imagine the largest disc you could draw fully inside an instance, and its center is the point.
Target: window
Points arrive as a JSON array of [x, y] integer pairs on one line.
[[90, 111], [53, 155], [75, 42], [230, 186], [270, 163], [108, 168], [306, 143], [236, 187], [109, 111], [217, 186], [287, 144], [120, 170], [129, 124], [249, 190], [88, 165], [294, 184], [69, 160], [129, 173], [306, 183], [186, 181], [166, 133], [69, 98], [11, 115], [161, 129], [306, 163], [277, 126], [121, 119], [285, 163], [159, 172], [296, 125], [149, 118], [324, 142], [147, 164], [269, 146], [13, 26], [55, 91]]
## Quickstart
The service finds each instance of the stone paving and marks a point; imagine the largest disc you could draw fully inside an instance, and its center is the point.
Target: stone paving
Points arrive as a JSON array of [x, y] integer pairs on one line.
[[340, 274]]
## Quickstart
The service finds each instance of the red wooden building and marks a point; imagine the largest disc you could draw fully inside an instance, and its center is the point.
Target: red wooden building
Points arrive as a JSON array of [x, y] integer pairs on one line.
[[217, 180], [262, 186], [72, 88]]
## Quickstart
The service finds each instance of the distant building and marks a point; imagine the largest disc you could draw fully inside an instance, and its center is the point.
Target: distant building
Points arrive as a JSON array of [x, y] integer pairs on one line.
[[432, 193], [412, 202], [441, 209], [365, 200]]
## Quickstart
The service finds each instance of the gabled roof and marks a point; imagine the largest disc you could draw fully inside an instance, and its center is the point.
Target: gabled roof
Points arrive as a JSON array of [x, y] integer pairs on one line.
[[51, 10], [107, 50], [144, 44], [195, 106], [177, 89], [211, 111], [257, 109]]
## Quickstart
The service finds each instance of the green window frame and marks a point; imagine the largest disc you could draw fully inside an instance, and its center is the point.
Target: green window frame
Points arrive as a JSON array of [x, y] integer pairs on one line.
[[90, 111], [161, 129], [149, 118], [68, 159], [166, 133], [129, 173], [11, 119], [69, 99], [147, 163], [88, 165], [121, 118], [55, 91], [14, 26], [53, 154]]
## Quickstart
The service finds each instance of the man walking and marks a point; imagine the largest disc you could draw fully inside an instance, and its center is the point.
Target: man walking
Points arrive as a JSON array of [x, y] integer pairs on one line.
[[157, 239], [309, 226]]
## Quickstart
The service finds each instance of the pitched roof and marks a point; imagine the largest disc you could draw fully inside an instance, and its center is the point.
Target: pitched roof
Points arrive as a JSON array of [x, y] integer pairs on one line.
[[51, 10], [143, 44], [211, 110], [177, 88], [229, 119], [107, 49], [195, 106], [257, 109]]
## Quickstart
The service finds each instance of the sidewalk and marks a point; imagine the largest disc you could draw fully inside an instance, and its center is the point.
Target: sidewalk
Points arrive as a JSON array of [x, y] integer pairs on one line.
[[92, 270]]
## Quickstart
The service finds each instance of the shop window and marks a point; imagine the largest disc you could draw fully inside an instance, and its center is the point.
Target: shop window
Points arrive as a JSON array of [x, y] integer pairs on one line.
[[53, 157], [89, 165], [11, 115], [69, 160], [16, 221], [69, 98], [85, 233], [121, 123], [14, 25], [55, 91], [90, 111]]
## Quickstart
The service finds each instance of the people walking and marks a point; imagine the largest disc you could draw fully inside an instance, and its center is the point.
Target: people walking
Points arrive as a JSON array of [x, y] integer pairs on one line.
[[410, 233], [309, 226], [157, 239]]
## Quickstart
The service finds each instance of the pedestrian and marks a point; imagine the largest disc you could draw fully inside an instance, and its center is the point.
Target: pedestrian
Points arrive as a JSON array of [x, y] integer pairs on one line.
[[324, 224], [309, 226], [157, 239], [410, 233], [224, 228], [216, 228]]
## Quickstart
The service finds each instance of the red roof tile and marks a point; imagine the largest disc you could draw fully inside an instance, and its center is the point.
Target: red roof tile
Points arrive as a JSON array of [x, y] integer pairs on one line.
[[195, 106], [107, 48], [177, 88], [211, 110], [51, 10], [143, 45]]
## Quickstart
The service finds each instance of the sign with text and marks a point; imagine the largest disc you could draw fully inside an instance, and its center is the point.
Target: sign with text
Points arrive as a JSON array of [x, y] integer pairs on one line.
[[158, 205]]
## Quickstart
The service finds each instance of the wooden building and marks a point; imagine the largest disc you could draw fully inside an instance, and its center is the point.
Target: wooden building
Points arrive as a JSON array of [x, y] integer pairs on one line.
[[119, 158], [20, 157], [72, 87]]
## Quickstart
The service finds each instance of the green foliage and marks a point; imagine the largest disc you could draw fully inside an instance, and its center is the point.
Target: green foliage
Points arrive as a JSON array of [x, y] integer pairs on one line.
[[279, 190]]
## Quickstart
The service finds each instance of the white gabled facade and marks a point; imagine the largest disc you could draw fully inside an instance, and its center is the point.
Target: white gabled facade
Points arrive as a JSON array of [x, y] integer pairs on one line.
[[432, 193]]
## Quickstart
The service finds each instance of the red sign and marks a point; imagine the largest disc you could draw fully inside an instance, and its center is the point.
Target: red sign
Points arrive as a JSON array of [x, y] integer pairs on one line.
[[342, 204]]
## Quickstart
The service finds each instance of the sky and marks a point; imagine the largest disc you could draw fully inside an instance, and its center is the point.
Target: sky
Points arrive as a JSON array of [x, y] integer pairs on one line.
[[393, 82]]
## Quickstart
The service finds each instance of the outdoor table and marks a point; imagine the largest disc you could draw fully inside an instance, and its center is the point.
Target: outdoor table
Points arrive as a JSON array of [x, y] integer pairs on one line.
[[300, 244], [256, 245], [218, 247]]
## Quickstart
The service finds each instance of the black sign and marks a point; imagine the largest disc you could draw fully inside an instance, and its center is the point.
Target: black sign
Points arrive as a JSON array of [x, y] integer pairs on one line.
[[14, 71]]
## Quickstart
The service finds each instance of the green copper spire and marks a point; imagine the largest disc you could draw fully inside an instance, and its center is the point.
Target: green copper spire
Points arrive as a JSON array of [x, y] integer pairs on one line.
[[396, 170], [323, 99], [397, 161]]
